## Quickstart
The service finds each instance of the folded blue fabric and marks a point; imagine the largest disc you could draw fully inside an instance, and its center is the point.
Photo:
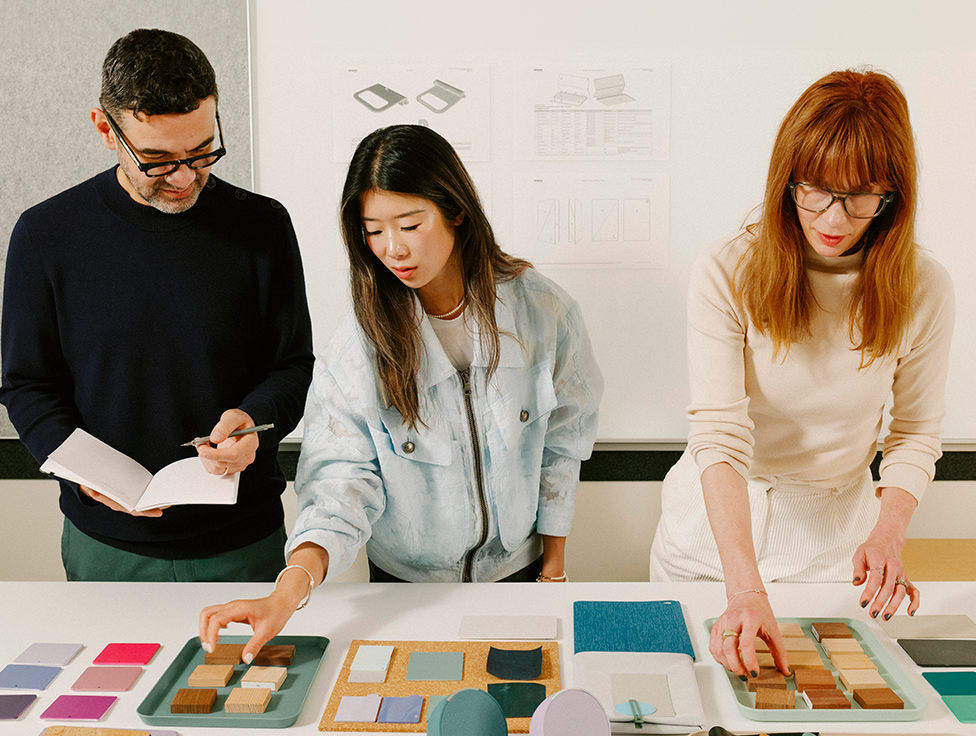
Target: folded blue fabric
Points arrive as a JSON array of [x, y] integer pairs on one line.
[[630, 626]]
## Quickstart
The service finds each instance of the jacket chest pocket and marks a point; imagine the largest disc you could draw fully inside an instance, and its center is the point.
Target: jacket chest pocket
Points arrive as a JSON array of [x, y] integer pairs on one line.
[[429, 445], [523, 402]]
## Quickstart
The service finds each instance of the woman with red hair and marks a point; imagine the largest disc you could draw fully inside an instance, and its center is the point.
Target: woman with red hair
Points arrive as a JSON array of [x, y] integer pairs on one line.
[[800, 328]]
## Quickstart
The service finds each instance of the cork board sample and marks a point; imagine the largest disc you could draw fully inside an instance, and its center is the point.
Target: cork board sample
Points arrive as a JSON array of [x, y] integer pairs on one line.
[[474, 675]]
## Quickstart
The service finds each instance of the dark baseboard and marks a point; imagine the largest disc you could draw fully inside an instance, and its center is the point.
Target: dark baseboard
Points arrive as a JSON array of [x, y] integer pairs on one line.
[[605, 465]]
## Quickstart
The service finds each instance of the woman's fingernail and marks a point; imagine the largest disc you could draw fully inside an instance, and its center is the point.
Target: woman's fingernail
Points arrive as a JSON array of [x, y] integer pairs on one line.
[[753, 673], [864, 604], [743, 678], [248, 657], [911, 613], [887, 616], [208, 649], [857, 579], [874, 614]]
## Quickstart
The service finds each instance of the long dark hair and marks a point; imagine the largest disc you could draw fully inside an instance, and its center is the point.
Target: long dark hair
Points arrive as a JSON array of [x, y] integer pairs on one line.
[[414, 160]]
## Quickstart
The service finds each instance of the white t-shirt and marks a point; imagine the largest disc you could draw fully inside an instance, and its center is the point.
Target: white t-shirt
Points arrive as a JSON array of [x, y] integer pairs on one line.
[[457, 339]]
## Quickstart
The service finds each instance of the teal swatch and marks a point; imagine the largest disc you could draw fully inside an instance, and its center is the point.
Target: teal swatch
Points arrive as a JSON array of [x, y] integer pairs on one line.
[[518, 699], [467, 712], [952, 683], [436, 666], [963, 707]]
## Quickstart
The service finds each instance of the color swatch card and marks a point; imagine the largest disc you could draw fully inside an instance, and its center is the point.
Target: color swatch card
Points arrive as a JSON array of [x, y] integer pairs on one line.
[[27, 676], [952, 683], [127, 654], [53, 654], [79, 708], [100, 731], [13, 706], [941, 652], [438, 666], [929, 627], [107, 678], [625, 626]]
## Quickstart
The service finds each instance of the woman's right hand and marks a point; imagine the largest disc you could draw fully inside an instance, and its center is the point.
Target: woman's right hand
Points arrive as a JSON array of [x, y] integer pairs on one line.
[[748, 615], [266, 616]]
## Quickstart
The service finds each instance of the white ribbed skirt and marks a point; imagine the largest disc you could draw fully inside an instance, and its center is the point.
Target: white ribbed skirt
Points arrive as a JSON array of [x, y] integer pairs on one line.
[[801, 533]]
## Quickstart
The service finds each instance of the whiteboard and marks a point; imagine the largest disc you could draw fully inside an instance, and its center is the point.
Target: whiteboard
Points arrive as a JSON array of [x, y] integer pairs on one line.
[[732, 78]]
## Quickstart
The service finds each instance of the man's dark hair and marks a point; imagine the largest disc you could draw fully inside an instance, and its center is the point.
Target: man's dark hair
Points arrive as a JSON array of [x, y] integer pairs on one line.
[[154, 72]]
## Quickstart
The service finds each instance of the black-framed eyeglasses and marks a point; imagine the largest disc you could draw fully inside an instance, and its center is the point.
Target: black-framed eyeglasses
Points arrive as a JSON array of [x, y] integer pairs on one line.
[[168, 167], [859, 205]]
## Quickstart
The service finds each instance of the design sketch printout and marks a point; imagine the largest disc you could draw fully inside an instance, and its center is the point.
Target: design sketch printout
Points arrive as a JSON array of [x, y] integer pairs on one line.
[[611, 221], [453, 100], [612, 112]]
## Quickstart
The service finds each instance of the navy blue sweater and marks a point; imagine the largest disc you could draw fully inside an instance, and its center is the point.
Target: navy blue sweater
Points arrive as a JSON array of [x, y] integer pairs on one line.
[[142, 328]]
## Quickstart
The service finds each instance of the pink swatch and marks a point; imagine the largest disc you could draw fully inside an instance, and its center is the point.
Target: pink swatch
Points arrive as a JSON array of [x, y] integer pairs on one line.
[[110, 679], [79, 708], [127, 654]]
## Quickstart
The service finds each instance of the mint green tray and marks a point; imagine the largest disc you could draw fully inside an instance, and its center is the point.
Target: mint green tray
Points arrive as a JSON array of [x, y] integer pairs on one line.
[[282, 711], [915, 702]]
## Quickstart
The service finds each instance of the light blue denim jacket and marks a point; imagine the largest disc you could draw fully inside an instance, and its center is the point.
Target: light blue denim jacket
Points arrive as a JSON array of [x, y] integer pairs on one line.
[[412, 495]]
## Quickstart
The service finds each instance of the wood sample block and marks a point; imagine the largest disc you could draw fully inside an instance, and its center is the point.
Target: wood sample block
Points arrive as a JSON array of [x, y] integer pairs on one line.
[[767, 678], [852, 661], [248, 700], [275, 655], [834, 646], [795, 644], [761, 645], [765, 660], [878, 697], [211, 675], [805, 661], [193, 700], [831, 630], [265, 677], [832, 699], [813, 680], [773, 698], [858, 679], [790, 631], [225, 654]]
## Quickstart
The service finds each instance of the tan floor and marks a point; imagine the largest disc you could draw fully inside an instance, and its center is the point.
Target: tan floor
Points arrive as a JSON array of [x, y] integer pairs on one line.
[[940, 559]]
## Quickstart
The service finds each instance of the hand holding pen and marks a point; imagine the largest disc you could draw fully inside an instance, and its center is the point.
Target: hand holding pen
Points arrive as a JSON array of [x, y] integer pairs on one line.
[[237, 443]]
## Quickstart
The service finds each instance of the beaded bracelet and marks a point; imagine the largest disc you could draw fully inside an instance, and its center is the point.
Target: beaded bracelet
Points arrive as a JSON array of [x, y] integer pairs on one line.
[[311, 583]]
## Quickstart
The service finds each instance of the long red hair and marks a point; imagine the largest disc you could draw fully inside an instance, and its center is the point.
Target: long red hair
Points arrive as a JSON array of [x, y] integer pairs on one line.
[[848, 131]]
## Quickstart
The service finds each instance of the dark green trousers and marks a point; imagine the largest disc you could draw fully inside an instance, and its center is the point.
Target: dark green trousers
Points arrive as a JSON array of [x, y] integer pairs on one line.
[[88, 559]]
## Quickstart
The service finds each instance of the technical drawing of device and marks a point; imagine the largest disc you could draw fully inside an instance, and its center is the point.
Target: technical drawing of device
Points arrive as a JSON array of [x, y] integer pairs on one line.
[[574, 230], [610, 90], [573, 90], [547, 213], [379, 98], [441, 97], [637, 220], [606, 220]]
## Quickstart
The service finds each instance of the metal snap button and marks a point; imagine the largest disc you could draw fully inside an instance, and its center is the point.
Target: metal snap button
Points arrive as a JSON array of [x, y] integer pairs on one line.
[[408, 447], [524, 416], [240, 194]]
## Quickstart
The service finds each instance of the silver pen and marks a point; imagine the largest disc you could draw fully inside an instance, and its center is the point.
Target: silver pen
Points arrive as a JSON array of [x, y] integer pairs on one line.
[[235, 433]]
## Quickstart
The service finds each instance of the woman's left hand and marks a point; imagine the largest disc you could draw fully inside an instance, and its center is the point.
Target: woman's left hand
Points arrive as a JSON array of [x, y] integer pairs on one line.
[[877, 562]]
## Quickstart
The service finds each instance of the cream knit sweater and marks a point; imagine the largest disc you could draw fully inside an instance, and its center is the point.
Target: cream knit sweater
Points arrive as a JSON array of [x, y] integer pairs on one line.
[[814, 417]]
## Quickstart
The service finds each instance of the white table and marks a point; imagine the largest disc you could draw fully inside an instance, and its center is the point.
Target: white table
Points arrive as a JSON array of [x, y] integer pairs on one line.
[[98, 613]]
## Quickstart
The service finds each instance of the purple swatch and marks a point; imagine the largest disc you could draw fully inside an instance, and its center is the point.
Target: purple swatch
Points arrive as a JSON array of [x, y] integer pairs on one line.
[[27, 676], [401, 710], [127, 654], [79, 708], [12, 706]]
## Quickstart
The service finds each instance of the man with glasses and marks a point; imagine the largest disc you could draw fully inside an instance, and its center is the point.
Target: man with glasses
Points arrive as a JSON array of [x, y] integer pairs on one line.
[[152, 304]]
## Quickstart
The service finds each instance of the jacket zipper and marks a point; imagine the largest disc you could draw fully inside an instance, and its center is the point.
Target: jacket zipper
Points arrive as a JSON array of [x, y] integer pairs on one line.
[[476, 449]]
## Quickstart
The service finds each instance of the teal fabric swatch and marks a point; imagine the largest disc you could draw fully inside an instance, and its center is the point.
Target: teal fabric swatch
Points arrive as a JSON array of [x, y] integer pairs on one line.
[[467, 712], [436, 666], [626, 626], [518, 699]]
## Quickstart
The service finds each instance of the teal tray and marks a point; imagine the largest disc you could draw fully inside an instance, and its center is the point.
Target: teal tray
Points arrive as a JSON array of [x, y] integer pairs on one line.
[[282, 711], [915, 702]]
